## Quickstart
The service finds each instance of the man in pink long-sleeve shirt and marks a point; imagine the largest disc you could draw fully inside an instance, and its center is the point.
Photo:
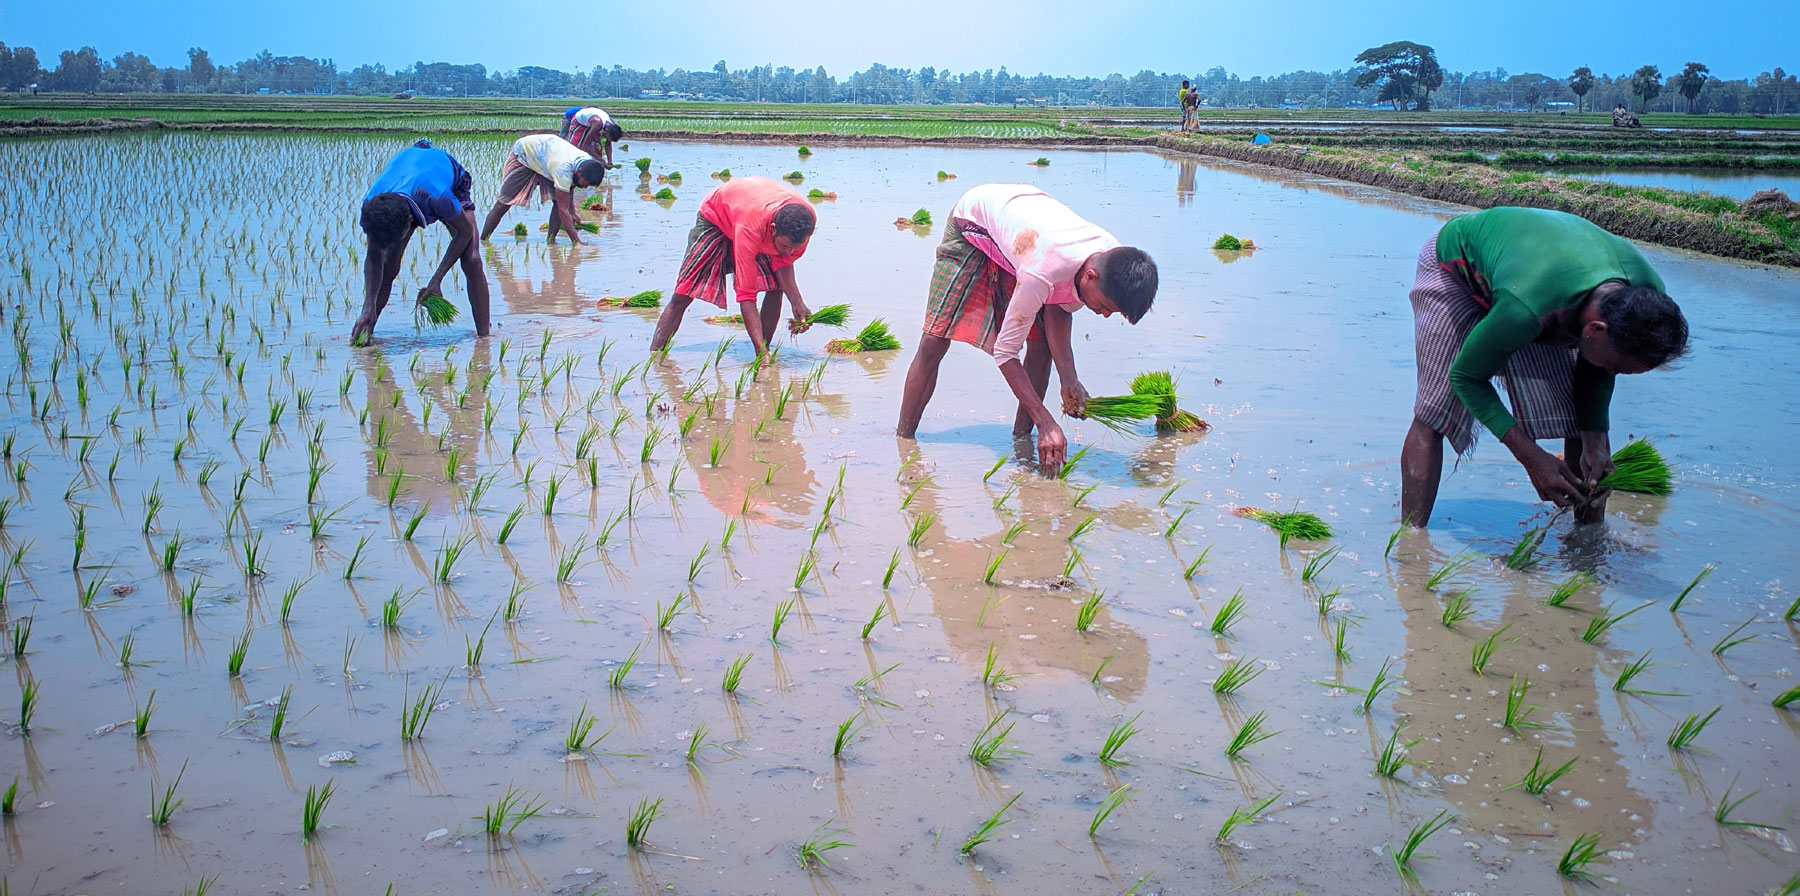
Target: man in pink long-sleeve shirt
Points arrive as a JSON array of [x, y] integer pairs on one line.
[[753, 228], [1013, 267]]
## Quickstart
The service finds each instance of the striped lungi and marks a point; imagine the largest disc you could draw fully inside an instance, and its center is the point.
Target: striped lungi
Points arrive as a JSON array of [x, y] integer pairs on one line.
[[1538, 378], [518, 182], [709, 258], [969, 293]]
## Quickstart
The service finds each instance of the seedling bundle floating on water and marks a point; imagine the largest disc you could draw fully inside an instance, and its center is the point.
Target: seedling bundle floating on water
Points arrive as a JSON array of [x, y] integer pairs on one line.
[[794, 176], [1295, 524], [818, 195], [1639, 468], [663, 195], [1120, 412], [873, 338], [1228, 243], [643, 165], [945, 175], [1040, 161], [520, 229], [1161, 382], [434, 310], [649, 298], [829, 316]]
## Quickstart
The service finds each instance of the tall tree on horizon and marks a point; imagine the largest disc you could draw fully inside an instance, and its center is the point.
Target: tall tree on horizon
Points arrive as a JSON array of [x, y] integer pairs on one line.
[[1689, 83], [1580, 82], [1646, 82], [1406, 71]]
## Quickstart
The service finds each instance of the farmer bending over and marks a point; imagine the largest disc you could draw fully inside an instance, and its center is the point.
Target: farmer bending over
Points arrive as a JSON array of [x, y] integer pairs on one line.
[[593, 132], [753, 228], [1557, 307], [547, 165], [1013, 267], [420, 186]]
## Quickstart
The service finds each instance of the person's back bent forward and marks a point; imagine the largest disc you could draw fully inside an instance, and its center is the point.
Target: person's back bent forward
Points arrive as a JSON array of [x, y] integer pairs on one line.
[[419, 187]]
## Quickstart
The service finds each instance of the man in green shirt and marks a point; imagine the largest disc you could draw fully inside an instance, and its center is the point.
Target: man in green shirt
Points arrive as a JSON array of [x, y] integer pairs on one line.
[[1555, 306]]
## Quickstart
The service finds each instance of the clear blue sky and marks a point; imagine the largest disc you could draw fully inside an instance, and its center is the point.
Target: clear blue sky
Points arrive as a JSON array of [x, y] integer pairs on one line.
[[1059, 37]]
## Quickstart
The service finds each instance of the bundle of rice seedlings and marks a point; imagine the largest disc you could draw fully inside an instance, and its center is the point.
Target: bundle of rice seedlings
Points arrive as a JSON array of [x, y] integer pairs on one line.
[[674, 177], [722, 174], [1297, 524], [588, 226], [520, 229], [664, 195], [830, 316], [1228, 243], [794, 176], [920, 217], [873, 338], [649, 298], [1119, 412], [594, 201], [816, 194], [724, 319], [1639, 468], [643, 165], [945, 175], [804, 151], [1040, 161], [434, 310], [1161, 382]]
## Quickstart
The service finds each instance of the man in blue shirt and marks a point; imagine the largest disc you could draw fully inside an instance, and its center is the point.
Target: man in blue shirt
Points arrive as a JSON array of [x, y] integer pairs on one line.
[[421, 186]]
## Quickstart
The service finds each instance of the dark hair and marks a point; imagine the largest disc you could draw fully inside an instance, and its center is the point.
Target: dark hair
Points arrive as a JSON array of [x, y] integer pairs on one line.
[[794, 221], [386, 218], [1644, 323], [1128, 277], [591, 172], [614, 132], [1184, 82]]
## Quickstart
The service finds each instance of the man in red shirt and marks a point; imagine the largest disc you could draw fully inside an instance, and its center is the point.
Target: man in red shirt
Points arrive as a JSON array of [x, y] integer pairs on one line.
[[753, 228]]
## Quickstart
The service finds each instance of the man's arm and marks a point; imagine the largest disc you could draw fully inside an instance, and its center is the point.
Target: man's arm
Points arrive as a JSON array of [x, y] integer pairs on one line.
[[786, 285], [1059, 328], [462, 233], [1051, 444], [562, 211], [1554, 480]]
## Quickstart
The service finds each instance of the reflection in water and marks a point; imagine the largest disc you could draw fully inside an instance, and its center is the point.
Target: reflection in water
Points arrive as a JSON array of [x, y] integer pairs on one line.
[[402, 450], [1185, 166], [519, 273]]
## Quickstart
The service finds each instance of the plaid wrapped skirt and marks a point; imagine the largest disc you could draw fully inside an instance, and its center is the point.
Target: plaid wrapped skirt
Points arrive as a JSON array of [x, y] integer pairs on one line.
[[709, 258], [969, 293]]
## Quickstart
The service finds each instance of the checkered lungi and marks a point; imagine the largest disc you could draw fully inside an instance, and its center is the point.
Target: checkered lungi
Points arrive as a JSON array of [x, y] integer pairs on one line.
[[709, 258], [1538, 378], [518, 182], [969, 293]]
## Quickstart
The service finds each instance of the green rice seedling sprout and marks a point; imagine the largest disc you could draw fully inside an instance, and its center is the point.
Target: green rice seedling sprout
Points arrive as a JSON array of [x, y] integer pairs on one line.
[[140, 720], [391, 609], [1175, 523], [1727, 805], [1456, 609], [416, 714], [1340, 630], [1787, 698], [1243, 815], [1632, 670], [638, 824], [8, 800], [278, 719], [1393, 756], [1539, 777], [1604, 620], [734, 674], [887, 577], [1235, 675], [1415, 837], [616, 678], [992, 673], [1793, 611], [989, 745], [1316, 565], [1115, 741], [1524, 554], [1327, 601], [1446, 575], [1112, 801], [1567, 588], [920, 525], [875, 619], [1483, 651], [1698, 578], [1228, 615], [188, 597], [1290, 525], [555, 485], [1193, 568], [1083, 527], [1249, 734], [316, 799], [1639, 468], [126, 647], [234, 661], [1731, 639], [355, 557], [809, 563], [1518, 712], [1380, 683], [847, 732], [1070, 564], [1689, 728], [28, 701], [513, 808], [1090, 608], [412, 523], [448, 555], [998, 463], [1228, 243], [664, 195], [1583, 852], [511, 522], [515, 600], [163, 808], [986, 831], [666, 615], [569, 559], [581, 730], [826, 837], [993, 567]]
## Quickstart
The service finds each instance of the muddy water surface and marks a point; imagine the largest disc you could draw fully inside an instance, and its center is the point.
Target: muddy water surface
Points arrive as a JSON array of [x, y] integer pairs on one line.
[[180, 375]]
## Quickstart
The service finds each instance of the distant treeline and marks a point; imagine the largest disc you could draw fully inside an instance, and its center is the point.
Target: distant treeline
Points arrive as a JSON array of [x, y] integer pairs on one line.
[[83, 70]]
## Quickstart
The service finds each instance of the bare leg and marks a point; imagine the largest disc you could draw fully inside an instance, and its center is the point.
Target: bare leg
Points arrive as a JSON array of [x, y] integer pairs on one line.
[[1037, 366], [1594, 511], [475, 278], [921, 381], [494, 217], [1421, 466], [670, 321]]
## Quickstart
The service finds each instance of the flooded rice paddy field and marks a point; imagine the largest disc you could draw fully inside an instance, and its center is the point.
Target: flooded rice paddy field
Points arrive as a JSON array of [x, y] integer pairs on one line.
[[1722, 182], [529, 532]]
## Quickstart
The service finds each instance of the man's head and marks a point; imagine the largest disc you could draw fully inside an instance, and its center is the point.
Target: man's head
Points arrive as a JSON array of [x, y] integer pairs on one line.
[[1632, 329], [614, 132], [387, 219], [1184, 82], [1121, 279], [793, 227], [589, 173]]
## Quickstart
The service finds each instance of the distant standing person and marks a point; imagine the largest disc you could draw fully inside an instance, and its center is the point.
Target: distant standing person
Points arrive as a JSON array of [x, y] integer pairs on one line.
[[1013, 267], [419, 187], [1190, 111], [548, 166], [753, 228], [1557, 307], [1181, 100], [593, 132]]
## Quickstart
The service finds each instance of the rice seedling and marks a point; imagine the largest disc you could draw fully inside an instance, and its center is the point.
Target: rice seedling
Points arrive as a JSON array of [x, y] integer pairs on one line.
[[809, 563], [1228, 615], [234, 660], [1793, 611], [989, 745], [511, 522], [140, 720], [163, 808], [1115, 741], [1698, 578], [552, 487], [1193, 568], [392, 608], [1069, 465], [350, 643], [1787, 698], [1070, 564], [1632, 670], [1120, 413], [1317, 564], [664, 195], [1175, 523], [1446, 575], [616, 678], [1340, 630], [992, 673], [1380, 683], [1639, 468], [1583, 852], [1567, 588], [993, 567], [847, 732], [944, 175], [1731, 639], [1604, 620], [416, 714], [920, 525], [1228, 243], [985, 832], [1539, 777], [1243, 815], [1483, 651], [278, 719], [1112, 802], [828, 316], [412, 522], [734, 674], [569, 559], [188, 597], [28, 702], [513, 808], [1235, 675], [1393, 756], [1518, 713], [872, 338], [580, 735], [1090, 608], [1688, 729], [447, 556], [1290, 525], [1415, 838], [1524, 554], [8, 801], [316, 799], [1456, 609], [637, 825], [1248, 735], [875, 619], [825, 837]]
